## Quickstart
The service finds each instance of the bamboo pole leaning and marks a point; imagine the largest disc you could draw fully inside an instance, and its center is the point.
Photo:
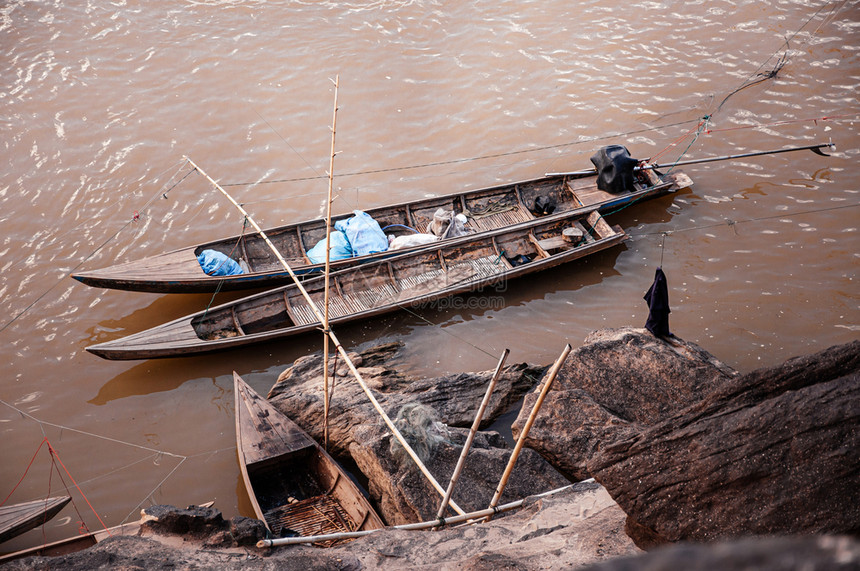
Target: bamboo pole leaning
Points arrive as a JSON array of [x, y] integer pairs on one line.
[[328, 269], [475, 425], [313, 306], [556, 367], [408, 526]]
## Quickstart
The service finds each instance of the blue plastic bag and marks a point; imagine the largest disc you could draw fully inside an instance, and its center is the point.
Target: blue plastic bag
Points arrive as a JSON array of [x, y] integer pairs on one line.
[[340, 249], [364, 234], [214, 263]]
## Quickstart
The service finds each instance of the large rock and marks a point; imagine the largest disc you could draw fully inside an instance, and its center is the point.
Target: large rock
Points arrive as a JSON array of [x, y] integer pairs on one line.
[[762, 554], [575, 527], [776, 451], [455, 398], [404, 495], [619, 380]]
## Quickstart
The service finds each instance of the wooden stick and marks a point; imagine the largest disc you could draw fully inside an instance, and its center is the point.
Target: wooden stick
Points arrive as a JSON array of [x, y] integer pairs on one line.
[[408, 526], [814, 148], [313, 306], [328, 268], [522, 439], [475, 425]]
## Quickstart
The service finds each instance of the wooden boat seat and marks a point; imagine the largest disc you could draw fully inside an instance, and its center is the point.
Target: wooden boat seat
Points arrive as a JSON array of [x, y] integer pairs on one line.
[[344, 304], [341, 305], [500, 219], [312, 516]]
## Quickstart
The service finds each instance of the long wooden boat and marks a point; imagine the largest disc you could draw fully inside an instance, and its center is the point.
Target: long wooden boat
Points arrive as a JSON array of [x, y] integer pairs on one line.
[[486, 210], [296, 488], [16, 519], [462, 265], [72, 544]]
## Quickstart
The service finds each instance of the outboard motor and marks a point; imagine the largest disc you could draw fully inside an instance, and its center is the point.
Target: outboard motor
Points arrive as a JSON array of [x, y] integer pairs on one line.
[[614, 168]]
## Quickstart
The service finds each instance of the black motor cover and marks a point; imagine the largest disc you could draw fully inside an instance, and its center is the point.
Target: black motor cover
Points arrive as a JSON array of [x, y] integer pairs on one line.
[[614, 168]]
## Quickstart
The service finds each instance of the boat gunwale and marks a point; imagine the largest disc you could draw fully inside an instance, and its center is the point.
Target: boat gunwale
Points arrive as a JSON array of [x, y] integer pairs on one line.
[[344, 485], [191, 345], [102, 277]]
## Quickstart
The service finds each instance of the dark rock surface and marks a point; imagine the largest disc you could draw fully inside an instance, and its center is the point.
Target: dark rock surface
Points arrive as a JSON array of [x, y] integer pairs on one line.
[[193, 520], [776, 451], [578, 526], [404, 495], [455, 398], [812, 553], [619, 379], [201, 522]]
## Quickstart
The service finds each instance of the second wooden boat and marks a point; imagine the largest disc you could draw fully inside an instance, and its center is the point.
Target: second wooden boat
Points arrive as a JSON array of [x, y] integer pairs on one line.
[[296, 488], [16, 519], [462, 265], [486, 210]]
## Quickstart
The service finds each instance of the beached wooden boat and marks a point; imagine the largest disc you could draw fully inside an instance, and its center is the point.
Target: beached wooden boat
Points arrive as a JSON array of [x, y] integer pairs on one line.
[[486, 209], [78, 542], [16, 519], [461, 265], [72, 544], [296, 488]]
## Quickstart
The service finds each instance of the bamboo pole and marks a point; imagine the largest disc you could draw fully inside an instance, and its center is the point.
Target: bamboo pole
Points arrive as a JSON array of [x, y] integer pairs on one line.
[[408, 526], [814, 148], [328, 269], [475, 425], [334, 339], [522, 439]]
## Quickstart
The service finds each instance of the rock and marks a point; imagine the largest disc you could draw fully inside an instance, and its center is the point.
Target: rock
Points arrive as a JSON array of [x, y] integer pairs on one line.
[[455, 398], [204, 523], [776, 451], [564, 531], [577, 526], [620, 379], [247, 531], [170, 520], [763, 554], [404, 495]]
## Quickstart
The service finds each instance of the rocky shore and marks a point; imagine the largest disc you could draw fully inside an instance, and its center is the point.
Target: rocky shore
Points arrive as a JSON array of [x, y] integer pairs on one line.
[[689, 464]]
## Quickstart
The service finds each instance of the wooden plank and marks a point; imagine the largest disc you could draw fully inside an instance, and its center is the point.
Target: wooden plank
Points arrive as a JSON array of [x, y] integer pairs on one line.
[[553, 243], [236, 320], [540, 250]]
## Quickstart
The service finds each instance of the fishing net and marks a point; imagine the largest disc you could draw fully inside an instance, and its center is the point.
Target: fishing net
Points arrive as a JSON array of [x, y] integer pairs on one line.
[[421, 429]]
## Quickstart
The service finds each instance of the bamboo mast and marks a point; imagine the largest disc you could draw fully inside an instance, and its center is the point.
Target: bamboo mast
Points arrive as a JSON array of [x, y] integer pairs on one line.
[[334, 339], [522, 439], [328, 269], [475, 425], [408, 526]]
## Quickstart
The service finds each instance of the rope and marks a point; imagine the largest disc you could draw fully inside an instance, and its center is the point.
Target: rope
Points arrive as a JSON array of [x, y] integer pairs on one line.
[[55, 455], [491, 209], [473, 159], [221, 282], [732, 223], [400, 226], [786, 122], [82, 262], [764, 76], [25, 471]]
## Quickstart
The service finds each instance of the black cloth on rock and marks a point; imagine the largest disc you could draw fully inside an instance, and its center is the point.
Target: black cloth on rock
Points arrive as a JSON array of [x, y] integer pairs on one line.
[[657, 297]]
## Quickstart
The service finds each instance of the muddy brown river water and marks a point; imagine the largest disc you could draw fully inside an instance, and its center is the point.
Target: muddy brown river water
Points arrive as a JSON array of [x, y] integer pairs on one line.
[[101, 101]]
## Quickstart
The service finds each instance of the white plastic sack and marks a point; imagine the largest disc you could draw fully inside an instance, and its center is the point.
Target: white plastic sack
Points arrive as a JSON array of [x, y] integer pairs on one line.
[[410, 241]]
